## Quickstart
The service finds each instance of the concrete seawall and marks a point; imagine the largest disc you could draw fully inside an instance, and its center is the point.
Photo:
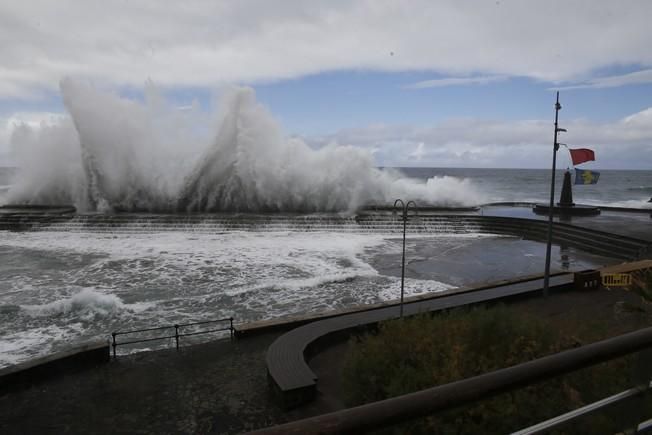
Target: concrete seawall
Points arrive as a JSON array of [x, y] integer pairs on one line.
[[77, 358]]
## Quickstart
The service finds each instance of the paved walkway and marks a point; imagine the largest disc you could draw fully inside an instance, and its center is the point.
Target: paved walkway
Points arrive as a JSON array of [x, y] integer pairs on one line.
[[637, 225], [218, 387]]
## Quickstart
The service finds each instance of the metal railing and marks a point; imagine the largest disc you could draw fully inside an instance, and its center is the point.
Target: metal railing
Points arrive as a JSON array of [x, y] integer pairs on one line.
[[383, 413], [177, 334], [565, 419]]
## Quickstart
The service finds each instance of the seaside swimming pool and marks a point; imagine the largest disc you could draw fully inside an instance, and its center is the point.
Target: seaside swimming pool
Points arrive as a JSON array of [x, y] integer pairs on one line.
[[65, 287]]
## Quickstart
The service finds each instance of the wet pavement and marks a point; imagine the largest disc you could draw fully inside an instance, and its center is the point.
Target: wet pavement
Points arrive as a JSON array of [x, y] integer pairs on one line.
[[217, 387], [630, 224]]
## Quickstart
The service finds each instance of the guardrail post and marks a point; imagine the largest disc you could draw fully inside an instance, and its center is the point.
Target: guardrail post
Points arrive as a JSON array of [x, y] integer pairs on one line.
[[114, 344], [637, 410], [176, 335]]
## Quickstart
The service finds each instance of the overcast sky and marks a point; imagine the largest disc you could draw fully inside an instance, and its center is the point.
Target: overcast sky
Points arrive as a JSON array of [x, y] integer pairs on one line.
[[420, 83]]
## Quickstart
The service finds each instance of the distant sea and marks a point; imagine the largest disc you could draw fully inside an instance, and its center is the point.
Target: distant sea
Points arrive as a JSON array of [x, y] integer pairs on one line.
[[618, 188]]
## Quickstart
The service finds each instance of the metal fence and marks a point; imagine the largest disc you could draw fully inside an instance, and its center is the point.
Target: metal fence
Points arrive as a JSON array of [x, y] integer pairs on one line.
[[178, 332]]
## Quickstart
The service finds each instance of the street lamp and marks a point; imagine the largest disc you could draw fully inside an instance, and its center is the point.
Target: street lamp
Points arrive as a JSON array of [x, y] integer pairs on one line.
[[403, 207], [546, 274]]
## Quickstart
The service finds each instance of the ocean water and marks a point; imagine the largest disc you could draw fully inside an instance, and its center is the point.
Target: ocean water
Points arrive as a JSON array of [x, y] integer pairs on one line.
[[615, 188], [60, 288]]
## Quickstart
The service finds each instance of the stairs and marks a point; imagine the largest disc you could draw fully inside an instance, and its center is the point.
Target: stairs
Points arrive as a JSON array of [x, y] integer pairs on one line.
[[597, 242]]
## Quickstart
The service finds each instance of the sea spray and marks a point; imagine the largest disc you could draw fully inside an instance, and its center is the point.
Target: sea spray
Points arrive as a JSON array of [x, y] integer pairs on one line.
[[112, 153], [50, 165]]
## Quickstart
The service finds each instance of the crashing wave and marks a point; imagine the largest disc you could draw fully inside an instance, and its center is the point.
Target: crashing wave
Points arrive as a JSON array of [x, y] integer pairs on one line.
[[85, 304], [113, 153]]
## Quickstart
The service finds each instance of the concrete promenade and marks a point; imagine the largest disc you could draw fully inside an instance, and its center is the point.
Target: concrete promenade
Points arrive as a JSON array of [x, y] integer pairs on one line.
[[216, 387]]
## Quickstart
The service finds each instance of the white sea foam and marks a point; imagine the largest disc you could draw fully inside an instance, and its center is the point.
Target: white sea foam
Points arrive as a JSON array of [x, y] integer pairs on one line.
[[223, 264], [117, 153], [130, 281], [72, 287], [412, 287], [31, 342], [86, 304]]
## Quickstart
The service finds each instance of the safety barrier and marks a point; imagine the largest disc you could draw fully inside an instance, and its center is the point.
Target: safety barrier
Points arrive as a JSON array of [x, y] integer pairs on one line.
[[616, 279], [177, 335]]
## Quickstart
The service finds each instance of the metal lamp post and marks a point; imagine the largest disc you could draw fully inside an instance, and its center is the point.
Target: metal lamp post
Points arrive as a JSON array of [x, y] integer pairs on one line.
[[546, 275], [403, 207]]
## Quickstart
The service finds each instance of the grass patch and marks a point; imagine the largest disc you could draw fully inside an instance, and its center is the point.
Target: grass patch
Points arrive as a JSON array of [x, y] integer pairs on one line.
[[642, 284], [412, 354]]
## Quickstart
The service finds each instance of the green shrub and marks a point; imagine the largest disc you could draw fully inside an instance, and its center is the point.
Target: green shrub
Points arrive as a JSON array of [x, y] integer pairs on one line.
[[643, 284], [421, 352]]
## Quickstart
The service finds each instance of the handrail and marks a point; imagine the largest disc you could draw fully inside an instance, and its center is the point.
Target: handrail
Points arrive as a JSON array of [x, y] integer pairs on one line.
[[564, 419], [422, 403], [176, 336]]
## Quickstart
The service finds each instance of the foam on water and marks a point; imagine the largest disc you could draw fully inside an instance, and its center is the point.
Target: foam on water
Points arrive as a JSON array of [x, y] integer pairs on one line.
[[86, 305], [114, 153], [31, 342], [83, 286]]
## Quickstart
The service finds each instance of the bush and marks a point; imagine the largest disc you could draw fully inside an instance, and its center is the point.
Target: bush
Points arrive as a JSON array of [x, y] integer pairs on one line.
[[417, 353], [642, 284]]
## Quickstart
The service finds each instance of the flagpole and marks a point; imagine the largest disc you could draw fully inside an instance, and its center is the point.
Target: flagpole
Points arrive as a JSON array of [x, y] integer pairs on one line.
[[546, 275]]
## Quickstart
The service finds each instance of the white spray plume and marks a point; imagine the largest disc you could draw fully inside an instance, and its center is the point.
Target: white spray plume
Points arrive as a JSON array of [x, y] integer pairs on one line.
[[117, 154]]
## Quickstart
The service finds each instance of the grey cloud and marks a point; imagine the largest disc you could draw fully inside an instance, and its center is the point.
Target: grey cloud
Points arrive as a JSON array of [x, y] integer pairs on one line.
[[634, 78], [626, 143], [208, 42], [456, 81]]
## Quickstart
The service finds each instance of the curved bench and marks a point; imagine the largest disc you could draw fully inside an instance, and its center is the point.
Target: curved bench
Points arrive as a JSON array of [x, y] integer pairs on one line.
[[295, 383]]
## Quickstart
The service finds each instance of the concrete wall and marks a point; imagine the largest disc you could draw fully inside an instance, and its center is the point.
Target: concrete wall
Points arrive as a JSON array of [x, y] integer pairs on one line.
[[80, 357]]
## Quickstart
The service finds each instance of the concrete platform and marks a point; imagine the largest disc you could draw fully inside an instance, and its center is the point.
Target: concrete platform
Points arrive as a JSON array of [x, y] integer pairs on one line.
[[36, 209], [575, 210]]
